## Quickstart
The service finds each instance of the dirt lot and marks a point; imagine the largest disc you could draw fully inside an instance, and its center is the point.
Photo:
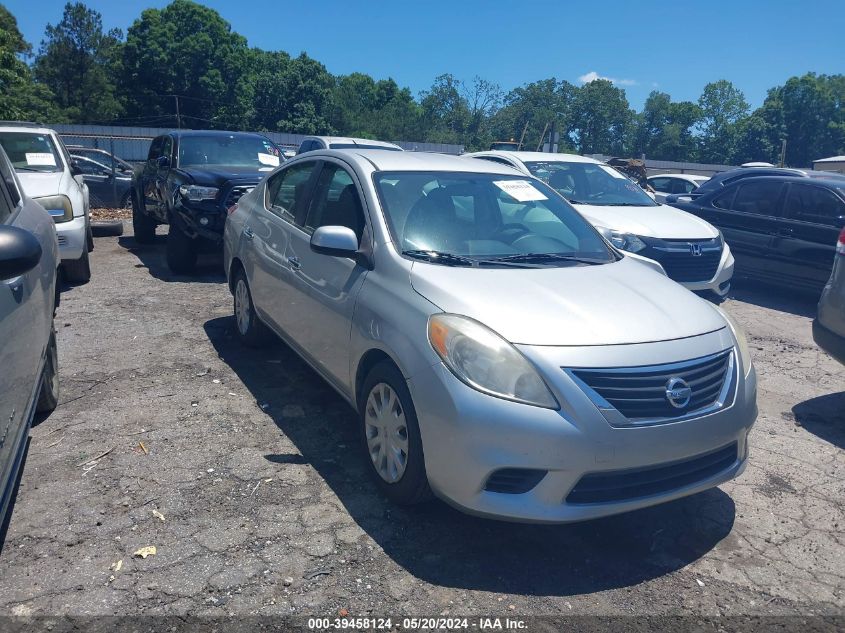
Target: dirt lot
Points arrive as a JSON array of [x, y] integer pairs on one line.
[[241, 469]]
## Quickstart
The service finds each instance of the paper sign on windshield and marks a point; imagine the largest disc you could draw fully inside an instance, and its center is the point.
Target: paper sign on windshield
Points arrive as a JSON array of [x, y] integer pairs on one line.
[[40, 158], [613, 172], [267, 159], [520, 190]]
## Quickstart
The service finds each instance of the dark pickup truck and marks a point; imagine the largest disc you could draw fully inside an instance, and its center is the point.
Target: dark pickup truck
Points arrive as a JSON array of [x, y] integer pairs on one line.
[[189, 181]]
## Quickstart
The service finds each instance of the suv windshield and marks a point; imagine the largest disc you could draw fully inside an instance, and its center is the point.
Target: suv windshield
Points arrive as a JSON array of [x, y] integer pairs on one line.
[[29, 151], [590, 183], [232, 150], [466, 219]]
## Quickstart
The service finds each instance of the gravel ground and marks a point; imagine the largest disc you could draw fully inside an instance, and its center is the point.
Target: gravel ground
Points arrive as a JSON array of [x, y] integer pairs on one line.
[[241, 468]]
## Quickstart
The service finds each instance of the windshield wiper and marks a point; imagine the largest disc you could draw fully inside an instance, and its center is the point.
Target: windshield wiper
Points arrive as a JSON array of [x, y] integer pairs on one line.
[[628, 204], [29, 169], [439, 257], [548, 257]]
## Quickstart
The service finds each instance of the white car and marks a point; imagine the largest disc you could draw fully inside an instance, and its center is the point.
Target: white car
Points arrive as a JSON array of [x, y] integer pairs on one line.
[[690, 250], [48, 176], [682, 184], [310, 143]]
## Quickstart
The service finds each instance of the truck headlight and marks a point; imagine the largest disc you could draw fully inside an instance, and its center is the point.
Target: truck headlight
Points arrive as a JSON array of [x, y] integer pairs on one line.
[[485, 361], [195, 193], [623, 241], [58, 206]]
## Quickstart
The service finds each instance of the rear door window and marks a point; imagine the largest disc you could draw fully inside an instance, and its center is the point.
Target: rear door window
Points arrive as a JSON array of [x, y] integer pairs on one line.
[[286, 190], [758, 198], [814, 204], [663, 185]]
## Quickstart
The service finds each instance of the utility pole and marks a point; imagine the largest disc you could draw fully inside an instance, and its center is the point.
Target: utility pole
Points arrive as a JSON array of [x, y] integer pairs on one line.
[[783, 154], [178, 117]]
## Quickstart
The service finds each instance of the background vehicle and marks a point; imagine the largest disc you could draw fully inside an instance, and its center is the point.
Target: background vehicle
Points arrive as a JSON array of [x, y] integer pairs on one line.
[[46, 171], [103, 157], [107, 189], [681, 184], [472, 318], [310, 143], [189, 181], [29, 257], [692, 252], [781, 229], [829, 325]]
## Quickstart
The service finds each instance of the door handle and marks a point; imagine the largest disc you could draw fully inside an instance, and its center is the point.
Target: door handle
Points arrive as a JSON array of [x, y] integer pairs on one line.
[[785, 231], [248, 234], [295, 264]]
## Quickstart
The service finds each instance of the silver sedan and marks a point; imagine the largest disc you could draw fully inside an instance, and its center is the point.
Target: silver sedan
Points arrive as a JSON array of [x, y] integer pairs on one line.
[[500, 353]]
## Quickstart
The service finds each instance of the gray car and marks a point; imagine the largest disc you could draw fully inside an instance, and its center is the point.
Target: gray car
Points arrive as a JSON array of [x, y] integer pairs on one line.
[[829, 324], [29, 257], [500, 353]]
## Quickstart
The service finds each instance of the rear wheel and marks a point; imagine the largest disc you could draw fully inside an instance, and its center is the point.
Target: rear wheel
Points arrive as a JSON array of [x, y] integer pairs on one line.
[[48, 397], [143, 225], [181, 251], [78, 271], [251, 331], [390, 436]]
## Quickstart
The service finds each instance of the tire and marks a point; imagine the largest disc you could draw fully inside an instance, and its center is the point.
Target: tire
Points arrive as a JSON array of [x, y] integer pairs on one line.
[[78, 271], [181, 251], [48, 397], [251, 330], [89, 238], [410, 486], [107, 228], [143, 225]]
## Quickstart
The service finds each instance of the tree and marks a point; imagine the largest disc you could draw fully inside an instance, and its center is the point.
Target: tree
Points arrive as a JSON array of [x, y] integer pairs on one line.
[[75, 62], [664, 129], [600, 119], [722, 106], [445, 111], [533, 107], [483, 99], [752, 141]]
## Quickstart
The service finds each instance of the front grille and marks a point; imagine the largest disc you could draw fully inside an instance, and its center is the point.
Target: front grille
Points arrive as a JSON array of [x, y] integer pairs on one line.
[[680, 262], [514, 480], [236, 193], [641, 393], [624, 485]]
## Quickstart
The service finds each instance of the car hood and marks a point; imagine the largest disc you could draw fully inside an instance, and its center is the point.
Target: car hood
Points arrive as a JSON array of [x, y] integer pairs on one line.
[[620, 303], [37, 185], [661, 222], [218, 176]]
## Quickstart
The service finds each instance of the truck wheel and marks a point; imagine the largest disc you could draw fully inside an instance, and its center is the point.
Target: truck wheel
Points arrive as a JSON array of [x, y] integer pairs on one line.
[[89, 238], [78, 271], [143, 225], [181, 251], [48, 397], [251, 331]]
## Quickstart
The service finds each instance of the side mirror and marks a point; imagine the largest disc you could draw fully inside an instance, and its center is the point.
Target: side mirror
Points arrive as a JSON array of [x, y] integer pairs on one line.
[[671, 198], [163, 161], [75, 170], [335, 241], [20, 251]]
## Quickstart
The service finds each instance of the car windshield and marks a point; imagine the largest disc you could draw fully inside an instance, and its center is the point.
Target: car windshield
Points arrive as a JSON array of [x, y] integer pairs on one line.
[[590, 183], [364, 146], [232, 150], [29, 151], [457, 218]]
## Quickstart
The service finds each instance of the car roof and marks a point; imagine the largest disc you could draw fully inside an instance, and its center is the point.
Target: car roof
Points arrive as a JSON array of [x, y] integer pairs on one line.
[[369, 160], [349, 140], [538, 156], [683, 176], [34, 129], [194, 133], [833, 182]]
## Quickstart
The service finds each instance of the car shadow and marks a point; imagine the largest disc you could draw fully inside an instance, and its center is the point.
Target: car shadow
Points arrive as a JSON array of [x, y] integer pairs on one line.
[[823, 416], [780, 298], [209, 268], [440, 545]]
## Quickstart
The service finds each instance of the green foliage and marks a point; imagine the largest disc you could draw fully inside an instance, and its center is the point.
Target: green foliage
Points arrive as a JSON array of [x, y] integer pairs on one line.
[[664, 129], [722, 106], [600, 118]]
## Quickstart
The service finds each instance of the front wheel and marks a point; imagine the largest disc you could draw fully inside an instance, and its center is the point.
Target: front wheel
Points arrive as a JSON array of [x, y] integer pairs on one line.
[[78, 271], [390, 436], [181, 251], [48, 397], [143, 226]]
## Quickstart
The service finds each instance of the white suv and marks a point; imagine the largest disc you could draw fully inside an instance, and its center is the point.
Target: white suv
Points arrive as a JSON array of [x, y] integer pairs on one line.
[[691, 251], [48, 176]]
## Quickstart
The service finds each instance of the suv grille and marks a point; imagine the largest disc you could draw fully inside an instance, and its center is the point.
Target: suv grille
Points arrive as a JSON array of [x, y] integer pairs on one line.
[[642, 393], [680, 262], [236, 193], [623, 485]]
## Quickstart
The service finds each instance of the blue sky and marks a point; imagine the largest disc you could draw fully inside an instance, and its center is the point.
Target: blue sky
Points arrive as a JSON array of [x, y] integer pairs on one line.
[[673, 46]]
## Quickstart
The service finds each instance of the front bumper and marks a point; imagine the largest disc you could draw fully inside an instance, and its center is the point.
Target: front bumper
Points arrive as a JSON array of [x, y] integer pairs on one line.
[[72, 240], [720, 284], [468, 436]]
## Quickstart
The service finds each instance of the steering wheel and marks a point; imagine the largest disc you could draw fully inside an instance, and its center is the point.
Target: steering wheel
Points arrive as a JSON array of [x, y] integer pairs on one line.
[[511, 232]]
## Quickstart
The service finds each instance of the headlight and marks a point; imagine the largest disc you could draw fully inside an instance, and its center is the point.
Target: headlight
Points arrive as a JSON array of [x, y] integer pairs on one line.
[[485, 361], [59, 207], [195, 193], [741, 341], [623, 241]]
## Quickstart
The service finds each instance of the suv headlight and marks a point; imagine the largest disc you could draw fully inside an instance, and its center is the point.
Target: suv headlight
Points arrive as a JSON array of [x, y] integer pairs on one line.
[[741, 341], [623, 241], [58, 206], [485, 361], [195, 193]]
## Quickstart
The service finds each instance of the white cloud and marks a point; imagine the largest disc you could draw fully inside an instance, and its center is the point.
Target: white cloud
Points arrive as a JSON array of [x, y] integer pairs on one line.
[[593, 76]]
